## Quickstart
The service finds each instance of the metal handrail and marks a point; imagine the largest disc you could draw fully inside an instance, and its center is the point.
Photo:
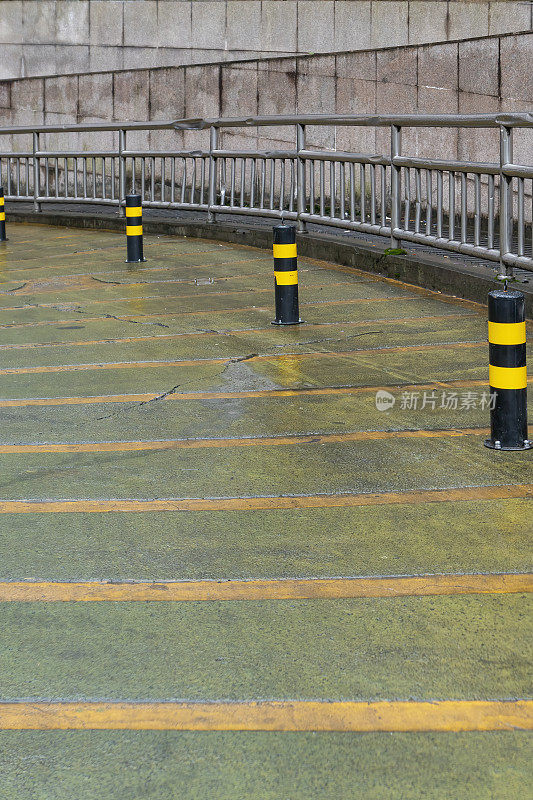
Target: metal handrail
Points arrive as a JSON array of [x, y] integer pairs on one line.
[[476, 208]]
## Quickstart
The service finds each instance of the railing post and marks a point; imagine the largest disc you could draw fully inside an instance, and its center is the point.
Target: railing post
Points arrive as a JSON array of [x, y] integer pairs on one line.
[[36, 173], [396, 200], [506, 196], [211, 201], [121, 173], [300, 177]]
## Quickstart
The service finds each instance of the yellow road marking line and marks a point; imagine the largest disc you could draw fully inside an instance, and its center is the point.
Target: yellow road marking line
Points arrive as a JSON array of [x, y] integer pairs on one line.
[[175, 256], [212, 361], [283, 589], [252, 394], [258, 441], [272, 715], [476, 493], [163, 298], [66, 283], [129, 317], [237, 332]]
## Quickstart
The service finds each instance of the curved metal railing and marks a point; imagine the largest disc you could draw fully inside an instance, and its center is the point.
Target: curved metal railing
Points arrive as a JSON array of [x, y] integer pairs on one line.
[[477, 208]]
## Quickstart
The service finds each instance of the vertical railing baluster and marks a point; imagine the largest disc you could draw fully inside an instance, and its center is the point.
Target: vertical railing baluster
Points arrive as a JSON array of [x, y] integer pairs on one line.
[[506, 199], [322, 189], [342, 199], [418, 198], [121, 172], [451, 203], [263, 179], [352, 190], [202, 180], [372, 194], [183, 180], [439, 204], [233, 178], [520, 220], [362, 179], [332, 189], [429, 202], [252, 182], [396, 175], [477, 210], [301, 198], [383, 202], [464, 207], [242, 189], [172, 179], [36, 166], [407, 209], [490, 212], [193, 182], [213, 145]]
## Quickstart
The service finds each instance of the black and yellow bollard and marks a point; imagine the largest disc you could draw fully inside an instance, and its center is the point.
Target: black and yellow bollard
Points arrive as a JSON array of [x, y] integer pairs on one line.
[[507, 371], [3, 237], [286, 275], [134, 228]]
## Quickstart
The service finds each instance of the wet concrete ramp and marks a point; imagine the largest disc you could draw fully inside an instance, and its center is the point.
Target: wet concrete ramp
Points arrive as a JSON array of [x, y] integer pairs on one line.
[[239, 560]]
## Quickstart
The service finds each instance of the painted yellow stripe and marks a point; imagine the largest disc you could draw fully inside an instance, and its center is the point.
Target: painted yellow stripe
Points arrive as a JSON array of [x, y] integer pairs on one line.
[[507, 377], [134, 211], [211, 311], [272, 715], [286, 278], [284, 589], [224, 360], [234, 331], [134, 230], [507, 333], [2, 201], [285, 250], [2, 216], [258, 393], [259, 441], [475, 493]]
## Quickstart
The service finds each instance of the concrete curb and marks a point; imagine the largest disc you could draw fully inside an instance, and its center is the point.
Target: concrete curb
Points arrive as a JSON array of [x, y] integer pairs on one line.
[[430, 271]]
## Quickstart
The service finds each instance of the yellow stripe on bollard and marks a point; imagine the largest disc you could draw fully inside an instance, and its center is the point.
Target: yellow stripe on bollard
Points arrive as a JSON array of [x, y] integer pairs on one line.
[[289, 278], [285, 250], [134, 211], [134, 230], [2, 216], [1, 201], [507, 377], [507, 332]]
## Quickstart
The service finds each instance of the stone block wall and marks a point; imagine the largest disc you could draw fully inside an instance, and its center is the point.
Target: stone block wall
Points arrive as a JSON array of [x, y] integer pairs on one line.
[[52, 37], [488, 74]]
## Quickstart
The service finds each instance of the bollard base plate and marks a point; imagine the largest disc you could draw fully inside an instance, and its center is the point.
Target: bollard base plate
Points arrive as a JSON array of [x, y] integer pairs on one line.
[[497, 446], [137, 261], [279, 322]]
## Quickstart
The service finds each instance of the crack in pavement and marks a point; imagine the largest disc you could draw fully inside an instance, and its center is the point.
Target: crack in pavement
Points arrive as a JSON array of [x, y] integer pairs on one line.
[[160, 396], [330, 339], [136, 321]]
